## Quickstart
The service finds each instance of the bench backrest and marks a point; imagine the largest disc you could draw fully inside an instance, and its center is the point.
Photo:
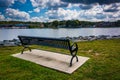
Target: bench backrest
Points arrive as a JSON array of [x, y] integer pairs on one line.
[[53, 42]]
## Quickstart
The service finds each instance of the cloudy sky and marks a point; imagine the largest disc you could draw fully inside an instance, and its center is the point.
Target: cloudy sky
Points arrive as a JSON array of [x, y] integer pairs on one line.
[[49, 10]]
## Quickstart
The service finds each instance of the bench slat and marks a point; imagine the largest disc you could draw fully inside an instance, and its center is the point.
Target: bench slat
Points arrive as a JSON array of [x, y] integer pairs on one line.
[[53, 42]]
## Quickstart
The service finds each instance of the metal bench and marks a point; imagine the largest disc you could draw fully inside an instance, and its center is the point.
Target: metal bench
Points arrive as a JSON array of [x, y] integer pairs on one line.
[[52, 42]]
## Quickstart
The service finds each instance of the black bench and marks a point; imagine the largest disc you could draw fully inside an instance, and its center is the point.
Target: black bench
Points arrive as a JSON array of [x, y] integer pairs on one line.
[[52, 42]]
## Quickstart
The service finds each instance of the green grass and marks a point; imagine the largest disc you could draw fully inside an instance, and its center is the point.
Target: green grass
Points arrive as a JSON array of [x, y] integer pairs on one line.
[[104, 63]]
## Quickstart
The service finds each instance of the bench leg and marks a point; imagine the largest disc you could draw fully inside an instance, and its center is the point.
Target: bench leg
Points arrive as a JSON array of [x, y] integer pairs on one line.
[[76, 58], [72, 60], [74, 54], [25, 48]]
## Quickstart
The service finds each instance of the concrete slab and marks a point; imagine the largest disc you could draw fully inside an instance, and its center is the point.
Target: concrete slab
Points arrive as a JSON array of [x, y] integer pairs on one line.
[[52, 60]]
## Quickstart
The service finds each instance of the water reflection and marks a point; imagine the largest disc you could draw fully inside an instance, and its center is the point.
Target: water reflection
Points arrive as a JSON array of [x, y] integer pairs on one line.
[[8, 34]]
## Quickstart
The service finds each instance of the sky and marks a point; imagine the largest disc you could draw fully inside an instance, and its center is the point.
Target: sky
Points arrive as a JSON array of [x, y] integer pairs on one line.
[[50, 10]]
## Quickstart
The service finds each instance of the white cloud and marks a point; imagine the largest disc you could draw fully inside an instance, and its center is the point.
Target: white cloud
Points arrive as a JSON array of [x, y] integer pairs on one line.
[[44, 3], [30, 11], [2, 17], [16, 14], [62, 14], [39, 19], [7, 3], [68, 14], [94, 14], [37, 10], [50, 4], [112, 16], [59, 10], [35, 19], [112, 7], [112, 12], [22, 1], [73, 5]]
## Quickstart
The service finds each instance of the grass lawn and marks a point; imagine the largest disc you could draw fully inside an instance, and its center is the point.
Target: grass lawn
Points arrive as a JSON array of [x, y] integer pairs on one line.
[[104, 63]]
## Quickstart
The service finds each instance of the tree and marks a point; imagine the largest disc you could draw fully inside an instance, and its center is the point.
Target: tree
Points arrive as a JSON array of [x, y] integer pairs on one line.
[[55, 24]]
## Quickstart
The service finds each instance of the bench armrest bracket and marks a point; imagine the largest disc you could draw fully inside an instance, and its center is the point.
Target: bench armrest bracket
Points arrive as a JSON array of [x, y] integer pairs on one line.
[[25, 46], [73, 51]]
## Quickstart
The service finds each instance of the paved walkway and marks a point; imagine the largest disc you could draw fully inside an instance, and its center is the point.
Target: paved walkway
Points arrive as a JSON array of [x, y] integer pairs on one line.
[[52, 60]]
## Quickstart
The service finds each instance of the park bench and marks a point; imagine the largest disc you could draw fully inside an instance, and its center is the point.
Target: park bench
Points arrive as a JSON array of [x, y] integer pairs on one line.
[[52, 42]]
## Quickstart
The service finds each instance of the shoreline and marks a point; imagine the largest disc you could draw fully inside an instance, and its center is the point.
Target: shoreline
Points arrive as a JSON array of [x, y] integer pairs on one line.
[[61, 27], [16, 42], [92, 37]]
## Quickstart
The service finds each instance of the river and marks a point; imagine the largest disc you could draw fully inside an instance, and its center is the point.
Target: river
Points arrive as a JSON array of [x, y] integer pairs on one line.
[[9, 34]]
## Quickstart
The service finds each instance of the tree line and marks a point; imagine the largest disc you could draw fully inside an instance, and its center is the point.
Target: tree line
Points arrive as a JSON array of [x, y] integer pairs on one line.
[[64, 24]]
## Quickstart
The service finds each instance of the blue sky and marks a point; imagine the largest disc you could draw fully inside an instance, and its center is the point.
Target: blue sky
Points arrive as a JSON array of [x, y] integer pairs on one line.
[[50, 10]]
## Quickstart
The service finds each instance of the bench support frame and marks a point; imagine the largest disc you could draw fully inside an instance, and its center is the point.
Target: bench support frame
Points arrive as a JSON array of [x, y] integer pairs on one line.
[[25, 48], [73, 50]]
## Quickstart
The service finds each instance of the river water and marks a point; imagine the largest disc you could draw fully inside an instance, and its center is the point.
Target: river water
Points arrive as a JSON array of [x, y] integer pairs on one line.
[[9, 34]]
